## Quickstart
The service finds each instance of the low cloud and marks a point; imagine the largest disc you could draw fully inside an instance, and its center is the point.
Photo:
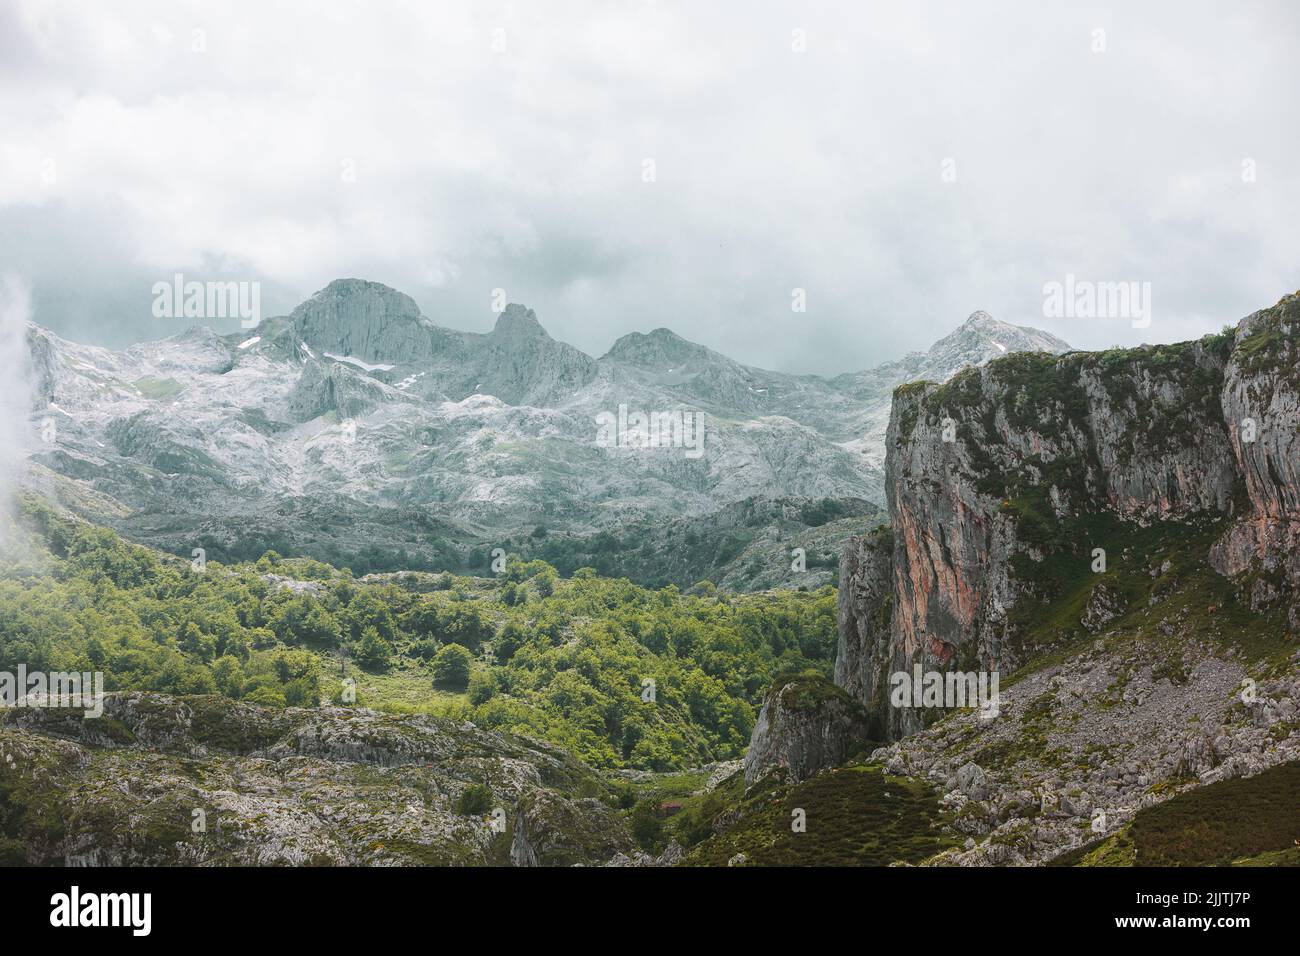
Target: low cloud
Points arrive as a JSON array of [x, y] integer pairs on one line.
[[15, 390]]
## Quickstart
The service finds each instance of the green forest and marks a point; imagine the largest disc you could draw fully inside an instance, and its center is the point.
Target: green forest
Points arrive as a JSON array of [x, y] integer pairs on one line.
[[622, 675]]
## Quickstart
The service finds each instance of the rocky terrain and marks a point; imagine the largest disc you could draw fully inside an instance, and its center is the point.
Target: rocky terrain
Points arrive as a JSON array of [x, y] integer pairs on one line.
[[359, 431], [163, 781], [1081, 747], [1114, 534]]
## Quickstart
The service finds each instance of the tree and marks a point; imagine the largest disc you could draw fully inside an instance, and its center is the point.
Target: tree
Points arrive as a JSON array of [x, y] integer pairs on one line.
[[451, 666], [544, 582], [229, 676], [421, 621], [481, 687], [465, 625], [511, 638], [373, 652], [647, 828], [368, 609], [475, 800], [304, 620]]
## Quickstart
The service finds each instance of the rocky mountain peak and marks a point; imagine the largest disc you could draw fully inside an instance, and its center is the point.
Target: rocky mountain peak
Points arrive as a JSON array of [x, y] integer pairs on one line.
[[356, 317], [519, 321], [221, 412], [980, 339], [658, 348], [357, 297]]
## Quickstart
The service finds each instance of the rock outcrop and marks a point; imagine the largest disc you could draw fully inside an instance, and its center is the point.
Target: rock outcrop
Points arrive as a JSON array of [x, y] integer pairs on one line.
[[1083, 746], [863, 658], [1126, 522], [164, 781], [806, 725], [998, 475], [366, 320]]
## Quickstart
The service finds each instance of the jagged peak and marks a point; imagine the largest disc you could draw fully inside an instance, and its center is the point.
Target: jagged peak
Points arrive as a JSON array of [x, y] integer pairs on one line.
[[1005, 335], [979, 318], [665, 334], [519, 320], [193, 333]]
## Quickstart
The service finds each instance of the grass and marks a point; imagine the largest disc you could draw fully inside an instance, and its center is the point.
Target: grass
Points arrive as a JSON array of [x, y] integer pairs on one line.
[[1047, 625], [1253, 821], [856, 816], [406, 689], [159, 389], [672, 786]]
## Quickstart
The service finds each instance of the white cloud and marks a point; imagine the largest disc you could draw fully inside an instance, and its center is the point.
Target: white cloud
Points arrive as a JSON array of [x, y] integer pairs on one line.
[[522, 169]]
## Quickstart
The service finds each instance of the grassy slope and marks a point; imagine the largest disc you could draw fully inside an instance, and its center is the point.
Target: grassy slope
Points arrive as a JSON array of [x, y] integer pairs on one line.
[[1051, 633], [1243, 822], [856, 816]]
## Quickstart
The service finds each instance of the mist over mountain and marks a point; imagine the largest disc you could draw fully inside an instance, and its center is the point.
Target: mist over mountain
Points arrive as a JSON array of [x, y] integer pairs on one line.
[[357, 429]]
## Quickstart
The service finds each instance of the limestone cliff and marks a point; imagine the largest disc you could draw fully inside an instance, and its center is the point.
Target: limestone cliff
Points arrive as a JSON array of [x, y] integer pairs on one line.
[[1118, 535], [1261, 406], [1003, 482]]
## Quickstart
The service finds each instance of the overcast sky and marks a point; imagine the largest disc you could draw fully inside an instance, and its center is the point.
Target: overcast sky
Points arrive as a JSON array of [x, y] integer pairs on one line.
[[913, 163]]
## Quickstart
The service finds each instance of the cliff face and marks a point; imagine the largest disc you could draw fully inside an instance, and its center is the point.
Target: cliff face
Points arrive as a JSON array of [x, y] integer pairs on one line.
[[864, 656], [1003, 481], [1261, 401]]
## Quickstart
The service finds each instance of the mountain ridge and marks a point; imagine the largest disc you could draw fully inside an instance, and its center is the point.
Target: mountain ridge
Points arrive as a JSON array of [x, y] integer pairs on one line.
[[359, 409]]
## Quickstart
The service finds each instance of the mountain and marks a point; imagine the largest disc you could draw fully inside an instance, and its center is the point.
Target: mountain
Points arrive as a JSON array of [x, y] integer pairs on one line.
[[357, 430], [1114, 535], [1107, 540]]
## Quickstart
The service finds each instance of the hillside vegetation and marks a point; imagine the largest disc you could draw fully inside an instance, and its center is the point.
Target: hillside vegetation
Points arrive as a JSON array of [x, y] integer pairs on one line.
[[620, 675]]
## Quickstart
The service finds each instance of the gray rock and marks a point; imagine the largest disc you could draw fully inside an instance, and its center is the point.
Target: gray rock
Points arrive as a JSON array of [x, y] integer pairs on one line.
[[972, 781], [804, 726]]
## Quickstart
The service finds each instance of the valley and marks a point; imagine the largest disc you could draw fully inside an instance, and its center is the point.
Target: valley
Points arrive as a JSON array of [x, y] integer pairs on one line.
[[1111, 534]]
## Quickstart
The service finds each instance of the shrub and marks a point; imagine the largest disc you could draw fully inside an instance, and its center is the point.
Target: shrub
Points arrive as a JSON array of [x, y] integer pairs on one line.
[[475, 800], [647, 828], [373, 653], [451, 666]]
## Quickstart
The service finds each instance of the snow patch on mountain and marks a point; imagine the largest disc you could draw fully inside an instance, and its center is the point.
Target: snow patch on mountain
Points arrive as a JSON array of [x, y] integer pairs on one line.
[[200, 435], [358, 363]]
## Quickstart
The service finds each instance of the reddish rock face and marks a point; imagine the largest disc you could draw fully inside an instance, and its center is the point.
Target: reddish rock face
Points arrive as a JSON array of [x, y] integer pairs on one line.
[[940, 651], [1155, 433], [1261, 406]]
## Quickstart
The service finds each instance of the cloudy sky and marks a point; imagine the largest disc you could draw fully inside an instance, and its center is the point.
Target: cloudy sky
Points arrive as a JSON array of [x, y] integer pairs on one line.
[[904, 164]]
